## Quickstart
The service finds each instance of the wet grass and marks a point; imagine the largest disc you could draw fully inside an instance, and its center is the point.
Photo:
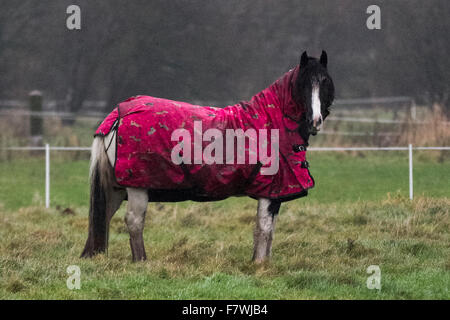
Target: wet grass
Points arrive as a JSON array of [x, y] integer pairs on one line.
[[202, 251]]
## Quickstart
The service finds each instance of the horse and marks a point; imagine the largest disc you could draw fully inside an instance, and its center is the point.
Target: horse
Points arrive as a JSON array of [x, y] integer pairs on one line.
[[130, 155]]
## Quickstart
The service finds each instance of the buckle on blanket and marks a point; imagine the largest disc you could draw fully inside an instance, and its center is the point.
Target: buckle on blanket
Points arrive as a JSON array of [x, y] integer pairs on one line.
[[304, 164], [299, 147]]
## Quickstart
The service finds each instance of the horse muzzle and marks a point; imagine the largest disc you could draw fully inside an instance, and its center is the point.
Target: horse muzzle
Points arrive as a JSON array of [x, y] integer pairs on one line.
[[313, 130], [315, 126]]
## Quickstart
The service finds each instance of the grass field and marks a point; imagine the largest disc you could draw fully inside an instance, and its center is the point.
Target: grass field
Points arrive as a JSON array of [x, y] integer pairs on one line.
[[358, 215]]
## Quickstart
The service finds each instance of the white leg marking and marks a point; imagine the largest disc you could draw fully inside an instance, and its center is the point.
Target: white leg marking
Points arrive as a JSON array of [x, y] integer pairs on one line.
[[263, 235], [137, 206]]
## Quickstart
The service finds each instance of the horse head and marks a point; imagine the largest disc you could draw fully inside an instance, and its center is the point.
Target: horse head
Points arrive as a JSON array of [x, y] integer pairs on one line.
[[314, 89]]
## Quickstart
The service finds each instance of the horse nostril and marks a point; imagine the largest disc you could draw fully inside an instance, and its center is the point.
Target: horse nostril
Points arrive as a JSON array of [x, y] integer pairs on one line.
[[317, 123]]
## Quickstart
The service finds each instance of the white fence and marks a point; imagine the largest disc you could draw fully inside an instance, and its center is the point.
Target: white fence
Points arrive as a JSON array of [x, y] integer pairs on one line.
[[47, 148]]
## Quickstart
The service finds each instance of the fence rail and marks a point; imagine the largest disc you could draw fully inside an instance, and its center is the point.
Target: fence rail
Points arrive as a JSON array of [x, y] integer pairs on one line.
[[47, 148], [95, 108]]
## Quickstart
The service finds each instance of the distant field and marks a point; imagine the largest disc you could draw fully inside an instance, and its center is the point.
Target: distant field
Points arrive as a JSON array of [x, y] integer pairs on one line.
[[339, 177], [358, 215]]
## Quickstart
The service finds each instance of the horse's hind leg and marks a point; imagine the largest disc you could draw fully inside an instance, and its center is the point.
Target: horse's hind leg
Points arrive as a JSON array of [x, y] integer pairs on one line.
[[115, 197], [265, 225], [135, 218]]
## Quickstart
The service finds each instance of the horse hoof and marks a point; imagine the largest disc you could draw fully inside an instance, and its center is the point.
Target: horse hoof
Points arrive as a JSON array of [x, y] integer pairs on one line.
[[139, 259], [260, 260]]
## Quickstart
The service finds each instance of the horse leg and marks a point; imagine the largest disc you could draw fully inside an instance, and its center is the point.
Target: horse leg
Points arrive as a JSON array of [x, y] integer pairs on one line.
[[135, 218], [265, 224], [114, 200], [115, 195]]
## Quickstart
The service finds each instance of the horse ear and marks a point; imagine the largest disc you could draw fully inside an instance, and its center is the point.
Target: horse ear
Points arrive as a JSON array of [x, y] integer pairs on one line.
[[303, 59], [324, 58]]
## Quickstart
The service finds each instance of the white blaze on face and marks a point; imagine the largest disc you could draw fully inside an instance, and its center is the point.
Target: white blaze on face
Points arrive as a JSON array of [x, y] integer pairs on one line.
[[315, 103]]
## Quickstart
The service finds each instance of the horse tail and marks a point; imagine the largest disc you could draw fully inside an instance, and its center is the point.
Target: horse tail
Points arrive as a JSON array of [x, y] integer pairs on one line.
[[100, 179]]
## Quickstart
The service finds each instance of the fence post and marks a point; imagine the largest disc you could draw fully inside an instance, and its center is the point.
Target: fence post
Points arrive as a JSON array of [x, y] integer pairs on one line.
[[35, 97], [47, 175], [413, 110], [410, 172]]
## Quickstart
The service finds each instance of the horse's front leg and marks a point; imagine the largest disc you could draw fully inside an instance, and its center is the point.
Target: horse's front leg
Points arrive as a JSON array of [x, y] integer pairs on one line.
[[135, 219], [265, 225]]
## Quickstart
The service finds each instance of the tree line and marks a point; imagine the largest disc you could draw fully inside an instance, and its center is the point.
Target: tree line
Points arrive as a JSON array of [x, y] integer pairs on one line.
[[219, 50]]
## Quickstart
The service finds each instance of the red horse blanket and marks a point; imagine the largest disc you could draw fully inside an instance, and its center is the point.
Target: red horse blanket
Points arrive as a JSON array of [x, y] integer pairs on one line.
[[165, 145]]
